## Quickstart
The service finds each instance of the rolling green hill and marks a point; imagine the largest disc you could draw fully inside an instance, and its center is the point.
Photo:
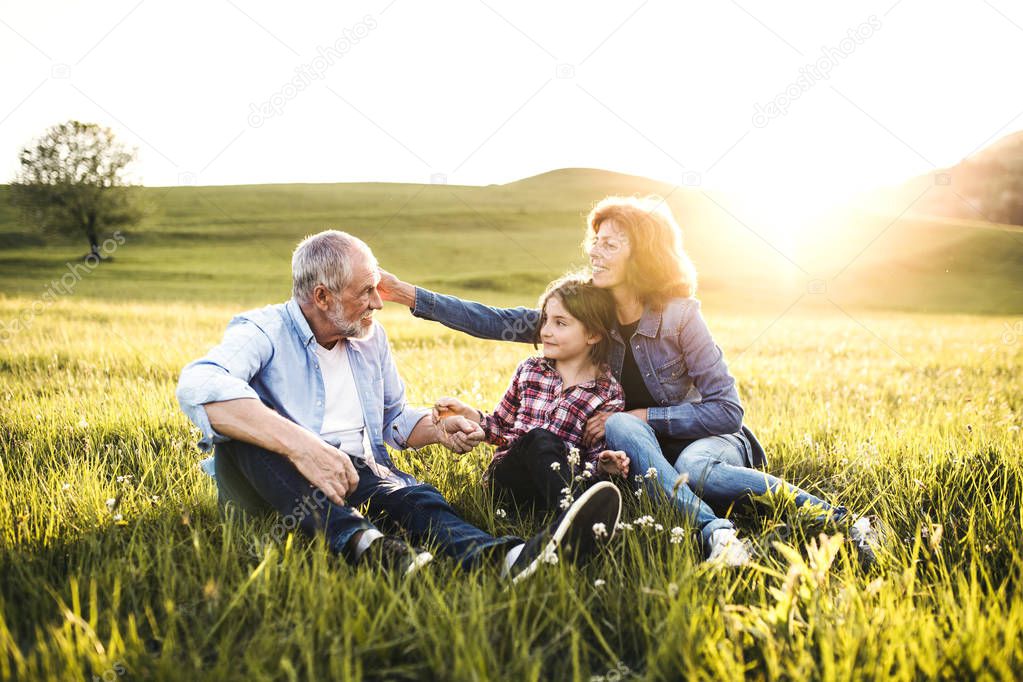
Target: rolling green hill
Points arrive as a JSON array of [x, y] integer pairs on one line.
[[503, 242]]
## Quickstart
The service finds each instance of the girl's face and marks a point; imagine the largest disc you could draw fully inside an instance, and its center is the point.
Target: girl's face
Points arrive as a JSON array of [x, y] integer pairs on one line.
[[609, 255], [563, 336]]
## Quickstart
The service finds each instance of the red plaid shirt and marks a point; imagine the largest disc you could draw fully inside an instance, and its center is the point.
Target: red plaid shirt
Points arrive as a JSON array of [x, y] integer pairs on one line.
[[536, 399]]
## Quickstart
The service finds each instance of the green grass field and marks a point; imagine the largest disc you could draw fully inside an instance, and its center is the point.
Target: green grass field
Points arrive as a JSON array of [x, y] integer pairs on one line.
[[912, 416]]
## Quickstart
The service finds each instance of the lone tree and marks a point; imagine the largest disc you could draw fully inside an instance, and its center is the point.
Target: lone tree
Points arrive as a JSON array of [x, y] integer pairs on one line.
[[72, 181]]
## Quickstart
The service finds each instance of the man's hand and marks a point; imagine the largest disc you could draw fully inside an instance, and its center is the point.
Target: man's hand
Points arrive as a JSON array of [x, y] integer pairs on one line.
[[328, 469], [594, 432], [458, 434], [613, 462], [393, 289], [451, 407]]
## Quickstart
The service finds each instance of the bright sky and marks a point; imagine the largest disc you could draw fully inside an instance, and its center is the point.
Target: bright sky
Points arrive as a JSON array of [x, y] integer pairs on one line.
[[488, 92]]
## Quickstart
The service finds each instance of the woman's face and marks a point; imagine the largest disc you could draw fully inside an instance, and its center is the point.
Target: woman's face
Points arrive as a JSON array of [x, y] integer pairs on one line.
[[609, 255]]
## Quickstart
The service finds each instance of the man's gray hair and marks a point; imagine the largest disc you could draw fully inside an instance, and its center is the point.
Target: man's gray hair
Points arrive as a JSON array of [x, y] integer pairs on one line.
[[325, 258]]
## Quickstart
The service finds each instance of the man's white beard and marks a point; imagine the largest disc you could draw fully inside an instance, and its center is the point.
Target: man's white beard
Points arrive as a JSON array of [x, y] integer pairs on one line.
[[348, 328]]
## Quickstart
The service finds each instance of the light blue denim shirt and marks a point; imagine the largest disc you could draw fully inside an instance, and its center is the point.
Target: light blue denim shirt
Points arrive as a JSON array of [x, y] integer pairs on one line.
[[682, 367], [268, 354]]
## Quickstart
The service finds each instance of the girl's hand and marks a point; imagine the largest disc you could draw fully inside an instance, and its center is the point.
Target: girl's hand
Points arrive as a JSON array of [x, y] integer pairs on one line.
[[613, 462], [453, 407]]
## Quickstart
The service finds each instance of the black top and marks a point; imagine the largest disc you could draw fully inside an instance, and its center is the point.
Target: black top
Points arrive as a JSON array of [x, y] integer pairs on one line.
[[637, 395]]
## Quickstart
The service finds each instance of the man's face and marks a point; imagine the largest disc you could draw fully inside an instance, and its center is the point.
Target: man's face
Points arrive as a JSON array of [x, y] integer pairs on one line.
[[353, 315]]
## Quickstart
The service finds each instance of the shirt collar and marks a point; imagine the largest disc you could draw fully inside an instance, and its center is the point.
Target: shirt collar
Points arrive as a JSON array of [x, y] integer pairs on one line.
[[599, 380], [299, 323], [650, 323]]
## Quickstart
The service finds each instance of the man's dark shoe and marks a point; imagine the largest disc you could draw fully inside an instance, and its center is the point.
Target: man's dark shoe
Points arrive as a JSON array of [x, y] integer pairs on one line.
[[394, 556], [576, 533]]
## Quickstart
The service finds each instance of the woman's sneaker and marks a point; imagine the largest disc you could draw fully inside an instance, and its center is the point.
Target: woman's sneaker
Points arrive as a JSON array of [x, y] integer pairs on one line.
[[394, 555], [576, 533], [867, 539], [726, 549]]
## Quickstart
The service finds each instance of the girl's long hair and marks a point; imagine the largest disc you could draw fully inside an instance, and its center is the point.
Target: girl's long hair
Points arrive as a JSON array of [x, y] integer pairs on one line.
[[592, 306]]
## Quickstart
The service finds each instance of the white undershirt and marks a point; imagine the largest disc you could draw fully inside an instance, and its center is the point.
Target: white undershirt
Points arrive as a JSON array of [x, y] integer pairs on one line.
[[343, 424]]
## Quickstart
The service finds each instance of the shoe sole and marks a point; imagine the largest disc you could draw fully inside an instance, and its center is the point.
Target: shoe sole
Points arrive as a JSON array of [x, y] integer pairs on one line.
[[579, 509]]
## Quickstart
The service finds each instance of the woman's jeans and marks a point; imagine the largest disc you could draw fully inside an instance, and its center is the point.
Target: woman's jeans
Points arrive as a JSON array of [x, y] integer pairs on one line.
[[259, 481], [715, 467]]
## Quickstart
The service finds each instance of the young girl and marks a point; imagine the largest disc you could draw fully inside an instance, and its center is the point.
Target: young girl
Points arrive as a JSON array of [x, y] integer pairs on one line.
[[538, 427]]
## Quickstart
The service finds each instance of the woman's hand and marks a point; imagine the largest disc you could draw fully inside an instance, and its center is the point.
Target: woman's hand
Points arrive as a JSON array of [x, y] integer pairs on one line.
[[594, 432], [450, 407], [394, 290], [613, 462]]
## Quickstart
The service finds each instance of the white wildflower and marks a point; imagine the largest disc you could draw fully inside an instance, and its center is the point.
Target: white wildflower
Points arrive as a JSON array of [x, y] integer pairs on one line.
[[573, 456], [638, 492], [82, 424], [586, 475], [589, 466], [110, 503], [650, 473], [555, 466], [645, 521], [677, 535], [549, 556], [599, 530], [622, 525], [118, 517], [500, 513], [599, 582], [658, 527], [66, 487]]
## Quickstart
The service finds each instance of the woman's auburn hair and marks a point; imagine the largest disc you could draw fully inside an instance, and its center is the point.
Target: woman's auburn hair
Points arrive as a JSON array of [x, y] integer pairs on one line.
[[658, 268]]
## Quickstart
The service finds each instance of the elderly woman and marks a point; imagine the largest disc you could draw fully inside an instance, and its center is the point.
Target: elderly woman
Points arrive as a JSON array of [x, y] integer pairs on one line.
[[682, 423]]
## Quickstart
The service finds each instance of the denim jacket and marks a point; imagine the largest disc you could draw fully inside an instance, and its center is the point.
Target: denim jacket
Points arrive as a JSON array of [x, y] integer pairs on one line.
[[682, 367], [268, 354]]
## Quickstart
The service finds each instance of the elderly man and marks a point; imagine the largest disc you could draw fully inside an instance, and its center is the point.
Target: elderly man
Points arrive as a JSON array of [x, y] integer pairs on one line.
[[299, 400]]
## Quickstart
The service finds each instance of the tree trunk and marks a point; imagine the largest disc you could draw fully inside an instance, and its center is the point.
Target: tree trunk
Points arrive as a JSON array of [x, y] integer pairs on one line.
[[90, 232]]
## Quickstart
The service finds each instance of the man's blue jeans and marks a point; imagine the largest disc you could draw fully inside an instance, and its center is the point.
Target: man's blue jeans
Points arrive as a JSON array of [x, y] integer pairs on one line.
[[715, 467], [260, 482]]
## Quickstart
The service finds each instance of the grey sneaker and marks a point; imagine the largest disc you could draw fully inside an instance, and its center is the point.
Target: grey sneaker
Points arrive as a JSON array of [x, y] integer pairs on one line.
[[865, 536], [726, 549], [394, 555], [577, 532]]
